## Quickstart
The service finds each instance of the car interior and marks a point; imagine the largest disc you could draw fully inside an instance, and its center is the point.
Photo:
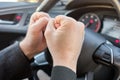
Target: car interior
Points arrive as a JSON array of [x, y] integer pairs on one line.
[[99, 59]]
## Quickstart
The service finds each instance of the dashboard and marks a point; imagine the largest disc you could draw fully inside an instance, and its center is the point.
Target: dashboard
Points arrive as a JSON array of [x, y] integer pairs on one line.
[[101, 19], [111, 27]]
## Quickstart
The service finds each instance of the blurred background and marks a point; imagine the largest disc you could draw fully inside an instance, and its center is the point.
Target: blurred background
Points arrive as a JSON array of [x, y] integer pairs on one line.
[[21, 0]]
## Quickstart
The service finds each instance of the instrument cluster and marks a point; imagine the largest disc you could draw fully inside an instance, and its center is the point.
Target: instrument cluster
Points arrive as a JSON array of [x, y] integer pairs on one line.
[[108, 25], [92, 21]]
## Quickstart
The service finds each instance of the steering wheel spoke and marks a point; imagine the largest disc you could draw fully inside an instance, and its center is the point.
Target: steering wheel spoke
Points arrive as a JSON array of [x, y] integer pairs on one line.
[[40, 59]]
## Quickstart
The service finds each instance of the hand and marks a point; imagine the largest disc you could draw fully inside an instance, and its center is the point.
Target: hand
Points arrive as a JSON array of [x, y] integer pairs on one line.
[[34, 41], [64, 37]]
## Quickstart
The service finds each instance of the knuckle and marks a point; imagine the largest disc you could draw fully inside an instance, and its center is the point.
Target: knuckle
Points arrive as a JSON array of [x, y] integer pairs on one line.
[[44, 14], [34, 14], [81, 25], [65, 19], [39, 14], [60, 17], [70, 21]]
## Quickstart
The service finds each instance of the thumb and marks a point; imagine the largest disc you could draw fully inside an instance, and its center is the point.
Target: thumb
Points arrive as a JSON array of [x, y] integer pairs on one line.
[[40, 24], [50, 28]]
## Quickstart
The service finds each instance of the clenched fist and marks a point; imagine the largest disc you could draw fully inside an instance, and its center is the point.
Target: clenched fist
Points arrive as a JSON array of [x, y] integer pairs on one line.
[[64, 37], [34, 41]]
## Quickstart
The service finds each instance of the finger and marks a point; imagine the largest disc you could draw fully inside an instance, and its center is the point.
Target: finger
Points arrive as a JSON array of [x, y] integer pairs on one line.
[[40, 24], [50, 28], [35, 16], [63, 20]]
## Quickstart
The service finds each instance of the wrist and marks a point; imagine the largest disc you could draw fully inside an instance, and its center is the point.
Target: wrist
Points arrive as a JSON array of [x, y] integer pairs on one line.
[[26, 50], [71, 64]]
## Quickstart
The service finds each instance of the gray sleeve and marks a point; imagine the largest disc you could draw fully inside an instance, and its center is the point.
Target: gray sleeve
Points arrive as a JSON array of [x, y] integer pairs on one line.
[[62, 73], [14, 64]]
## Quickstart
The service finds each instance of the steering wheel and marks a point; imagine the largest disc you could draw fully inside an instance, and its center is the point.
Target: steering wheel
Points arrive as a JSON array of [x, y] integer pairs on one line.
[[96, 50]]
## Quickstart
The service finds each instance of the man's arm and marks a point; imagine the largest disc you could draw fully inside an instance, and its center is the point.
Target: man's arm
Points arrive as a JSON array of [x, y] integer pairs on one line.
[[14, 64], [62, 73], [64, 37], [14, 60]]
